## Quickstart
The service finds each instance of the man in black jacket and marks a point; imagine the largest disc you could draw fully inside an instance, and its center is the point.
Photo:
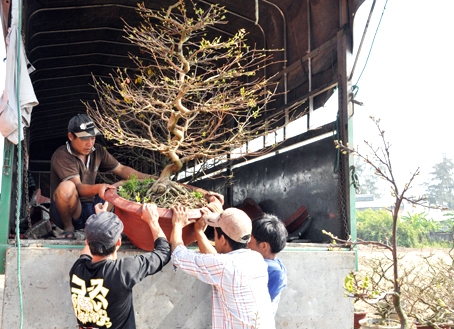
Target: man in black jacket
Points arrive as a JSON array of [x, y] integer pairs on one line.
[[101, 285]]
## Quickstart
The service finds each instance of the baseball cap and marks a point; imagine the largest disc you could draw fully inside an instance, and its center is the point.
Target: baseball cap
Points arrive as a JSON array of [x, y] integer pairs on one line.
[[104, 227], [233, 222], [82, 126]]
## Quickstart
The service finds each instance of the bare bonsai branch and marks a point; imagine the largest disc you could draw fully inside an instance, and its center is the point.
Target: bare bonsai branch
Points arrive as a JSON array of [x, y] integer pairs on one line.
[[426, 296], [380, 158], [192, 98], [349, 243]]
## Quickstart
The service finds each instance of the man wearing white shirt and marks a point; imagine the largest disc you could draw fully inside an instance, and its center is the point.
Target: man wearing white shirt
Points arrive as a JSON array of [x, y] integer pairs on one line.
[[237, 274]]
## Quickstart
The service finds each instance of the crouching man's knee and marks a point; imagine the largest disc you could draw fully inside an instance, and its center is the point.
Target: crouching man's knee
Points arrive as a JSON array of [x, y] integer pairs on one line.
[[65, 192]]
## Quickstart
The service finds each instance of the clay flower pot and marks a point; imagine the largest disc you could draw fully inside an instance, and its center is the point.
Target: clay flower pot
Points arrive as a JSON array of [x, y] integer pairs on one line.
[[368, 323], [358, 315], [137, 230]]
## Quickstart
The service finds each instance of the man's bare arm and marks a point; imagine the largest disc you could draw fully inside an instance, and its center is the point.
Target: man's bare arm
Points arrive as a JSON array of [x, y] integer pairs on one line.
[[90, 190], [203, 242], [126, 172]]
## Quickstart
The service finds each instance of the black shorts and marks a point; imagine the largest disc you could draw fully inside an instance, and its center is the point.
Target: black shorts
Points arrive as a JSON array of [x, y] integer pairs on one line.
[[88, 209]]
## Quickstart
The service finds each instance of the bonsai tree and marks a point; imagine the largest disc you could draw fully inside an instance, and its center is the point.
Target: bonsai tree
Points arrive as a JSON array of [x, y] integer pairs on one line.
[[429, 292], [426, 288], [372, 287], [192, 99], [379, 159]]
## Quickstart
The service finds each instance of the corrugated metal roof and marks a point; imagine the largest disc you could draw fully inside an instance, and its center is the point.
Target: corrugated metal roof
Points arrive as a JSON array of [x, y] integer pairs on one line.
[[69, 40]]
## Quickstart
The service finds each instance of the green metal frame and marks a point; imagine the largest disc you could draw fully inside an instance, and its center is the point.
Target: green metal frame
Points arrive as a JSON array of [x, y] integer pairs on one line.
[[5, 199]]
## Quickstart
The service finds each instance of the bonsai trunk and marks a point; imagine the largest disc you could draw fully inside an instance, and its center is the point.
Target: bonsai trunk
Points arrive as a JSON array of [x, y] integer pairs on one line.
[[396, 296], [163, 183]]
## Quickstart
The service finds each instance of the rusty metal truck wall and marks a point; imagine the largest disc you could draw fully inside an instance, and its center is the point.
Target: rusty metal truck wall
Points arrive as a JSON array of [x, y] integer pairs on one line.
[[284, 182]]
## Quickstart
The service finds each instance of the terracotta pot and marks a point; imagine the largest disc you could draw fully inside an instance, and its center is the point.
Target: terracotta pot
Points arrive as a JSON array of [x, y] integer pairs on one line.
[[296, 220], [358, 316], [373, 324], [251, 208], [137, 230]]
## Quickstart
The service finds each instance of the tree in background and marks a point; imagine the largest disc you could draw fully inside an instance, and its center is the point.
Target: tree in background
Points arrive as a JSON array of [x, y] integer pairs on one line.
[[374, 225], [368, 180], [448, 224], [412, 231], [440, 187], [421, 226]]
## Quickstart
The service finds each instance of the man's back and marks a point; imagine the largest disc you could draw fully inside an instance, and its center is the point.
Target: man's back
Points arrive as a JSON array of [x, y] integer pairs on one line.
[[239, 279], [101, 292]]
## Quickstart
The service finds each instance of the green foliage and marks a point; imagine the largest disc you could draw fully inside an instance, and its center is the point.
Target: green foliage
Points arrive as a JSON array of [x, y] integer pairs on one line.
[[421, 223], [374, 225], [140, 191], [353, 285], [135, 189], [368, 287], [406, 235], [197, 194], [447, 225], [412, 230], [420, 226]]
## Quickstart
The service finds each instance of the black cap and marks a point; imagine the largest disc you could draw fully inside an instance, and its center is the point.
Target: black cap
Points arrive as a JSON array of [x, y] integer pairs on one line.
[[104, 227], [82, 126]]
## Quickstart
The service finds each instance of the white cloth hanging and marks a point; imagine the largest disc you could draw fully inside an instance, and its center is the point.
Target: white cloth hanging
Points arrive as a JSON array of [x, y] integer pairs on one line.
[[8, 103]]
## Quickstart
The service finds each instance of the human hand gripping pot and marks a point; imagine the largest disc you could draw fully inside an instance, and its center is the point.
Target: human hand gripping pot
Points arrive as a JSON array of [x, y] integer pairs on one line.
[[179, 221], [151, 216], [215, 201]]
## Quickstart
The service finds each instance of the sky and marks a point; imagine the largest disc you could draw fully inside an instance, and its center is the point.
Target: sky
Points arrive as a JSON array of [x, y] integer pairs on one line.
[[405, 83]]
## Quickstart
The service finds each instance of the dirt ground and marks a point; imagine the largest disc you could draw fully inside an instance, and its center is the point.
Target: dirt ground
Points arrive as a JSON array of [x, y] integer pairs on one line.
[[364, 250], [409, 255]]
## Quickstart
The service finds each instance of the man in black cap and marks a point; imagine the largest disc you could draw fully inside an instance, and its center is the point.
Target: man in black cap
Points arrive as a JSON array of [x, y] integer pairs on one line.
[[101, 285], [74, 167]]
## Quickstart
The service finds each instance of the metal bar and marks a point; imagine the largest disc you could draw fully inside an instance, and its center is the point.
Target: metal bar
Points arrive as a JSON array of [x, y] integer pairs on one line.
[[344, 55], [362, 40], [74, 56], [323, 48], [309, 64], [284, 36], [5, 199]]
